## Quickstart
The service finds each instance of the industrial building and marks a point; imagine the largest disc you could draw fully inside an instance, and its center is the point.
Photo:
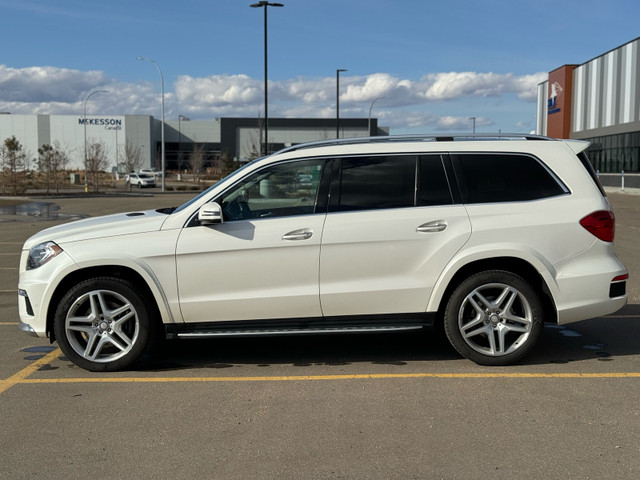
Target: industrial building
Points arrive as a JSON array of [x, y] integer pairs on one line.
[[598, 101], [239, 137]]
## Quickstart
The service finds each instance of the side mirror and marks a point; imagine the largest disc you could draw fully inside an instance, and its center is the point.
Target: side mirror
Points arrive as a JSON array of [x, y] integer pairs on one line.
[[210, 214]]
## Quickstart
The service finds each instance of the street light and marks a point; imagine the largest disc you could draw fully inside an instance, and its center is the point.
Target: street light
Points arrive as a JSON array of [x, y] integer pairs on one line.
[[338, 100], [473, 119], [371, 108], [162, 125], [265, 4], [84, 122]]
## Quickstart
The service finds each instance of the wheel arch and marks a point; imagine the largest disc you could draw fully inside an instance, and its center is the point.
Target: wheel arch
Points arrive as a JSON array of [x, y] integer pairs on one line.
[[157, 309], [514, 265]]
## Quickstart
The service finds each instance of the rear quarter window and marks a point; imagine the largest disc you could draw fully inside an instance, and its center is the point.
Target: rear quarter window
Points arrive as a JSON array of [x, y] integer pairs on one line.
[[498, 177], [587, 165]]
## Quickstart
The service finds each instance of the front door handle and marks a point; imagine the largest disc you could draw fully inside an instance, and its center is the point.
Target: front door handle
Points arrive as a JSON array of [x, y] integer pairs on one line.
[[431, 227], [301, 234]]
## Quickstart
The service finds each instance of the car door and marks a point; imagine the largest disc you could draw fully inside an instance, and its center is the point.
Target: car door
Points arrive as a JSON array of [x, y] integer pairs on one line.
[[392, 226], [262, 261]]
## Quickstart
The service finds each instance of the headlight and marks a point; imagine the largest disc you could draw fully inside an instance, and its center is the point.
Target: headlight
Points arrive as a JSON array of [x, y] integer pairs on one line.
[[41, 254]]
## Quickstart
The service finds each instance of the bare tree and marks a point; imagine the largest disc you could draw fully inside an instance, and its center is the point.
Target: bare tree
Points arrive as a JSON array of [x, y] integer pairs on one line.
[[132, 155], [254, 147], [14, 161], [52, 161], [196, 161], [97, 162]]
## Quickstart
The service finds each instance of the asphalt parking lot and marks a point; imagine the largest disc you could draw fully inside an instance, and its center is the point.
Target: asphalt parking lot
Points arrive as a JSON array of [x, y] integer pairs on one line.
[[350, 407]]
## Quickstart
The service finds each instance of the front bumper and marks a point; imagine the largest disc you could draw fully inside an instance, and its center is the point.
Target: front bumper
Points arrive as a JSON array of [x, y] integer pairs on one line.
[[35, 290]]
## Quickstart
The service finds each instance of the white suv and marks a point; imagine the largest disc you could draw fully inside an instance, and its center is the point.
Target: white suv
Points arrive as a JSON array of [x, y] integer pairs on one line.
[[490, 235]]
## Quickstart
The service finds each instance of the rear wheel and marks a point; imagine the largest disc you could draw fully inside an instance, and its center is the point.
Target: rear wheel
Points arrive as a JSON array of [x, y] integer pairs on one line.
[[494, 318], [102, 324]]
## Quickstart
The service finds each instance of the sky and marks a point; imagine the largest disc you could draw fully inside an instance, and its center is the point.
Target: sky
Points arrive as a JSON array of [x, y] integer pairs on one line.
[[420, 66]]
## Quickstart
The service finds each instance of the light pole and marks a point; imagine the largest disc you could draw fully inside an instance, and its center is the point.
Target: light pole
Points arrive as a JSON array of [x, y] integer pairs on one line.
[[371, 108], [180, 118], [162, 125], [265, 4], [338, 100], [84, 122], [473, 119]]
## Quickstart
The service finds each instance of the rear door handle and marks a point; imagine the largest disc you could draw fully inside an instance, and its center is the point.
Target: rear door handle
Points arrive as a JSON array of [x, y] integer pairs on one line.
[[301, 234], [431, 227]]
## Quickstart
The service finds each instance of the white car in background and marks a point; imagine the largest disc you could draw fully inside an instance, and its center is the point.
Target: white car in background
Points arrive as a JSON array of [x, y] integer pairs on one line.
[[152, 172], [141, 180], [490, 236]]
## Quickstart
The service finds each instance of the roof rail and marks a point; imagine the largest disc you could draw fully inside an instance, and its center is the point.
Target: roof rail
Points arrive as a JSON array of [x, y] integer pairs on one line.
[[464, 137]]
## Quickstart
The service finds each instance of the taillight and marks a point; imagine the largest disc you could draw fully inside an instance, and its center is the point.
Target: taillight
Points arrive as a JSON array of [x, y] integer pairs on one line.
[[602, 224]]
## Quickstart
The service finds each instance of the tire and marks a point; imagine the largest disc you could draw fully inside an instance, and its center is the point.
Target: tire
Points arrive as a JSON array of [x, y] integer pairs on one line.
[[103, 325], [494, 318]]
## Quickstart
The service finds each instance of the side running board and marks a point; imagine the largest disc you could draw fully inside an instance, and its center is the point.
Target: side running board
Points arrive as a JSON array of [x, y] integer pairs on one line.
[[259, 332]]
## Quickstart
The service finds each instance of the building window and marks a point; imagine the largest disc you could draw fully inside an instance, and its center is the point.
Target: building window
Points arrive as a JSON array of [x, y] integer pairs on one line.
[[615, 153]]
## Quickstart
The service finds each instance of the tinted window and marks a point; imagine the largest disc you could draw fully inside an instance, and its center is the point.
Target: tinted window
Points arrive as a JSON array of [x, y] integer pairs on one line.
[[377, 182], [433, 188], [585, 162], [275, 191], [504, 178]]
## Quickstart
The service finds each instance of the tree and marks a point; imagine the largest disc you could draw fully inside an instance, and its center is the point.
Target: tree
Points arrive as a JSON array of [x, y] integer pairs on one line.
[[254, 149], [196, 161], [52, 161], [132, 156], [97, 163], [14, 161], [255, 146]]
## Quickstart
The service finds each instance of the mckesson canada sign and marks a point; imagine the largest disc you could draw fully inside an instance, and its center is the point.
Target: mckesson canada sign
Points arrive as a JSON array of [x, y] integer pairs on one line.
[[108, 123]]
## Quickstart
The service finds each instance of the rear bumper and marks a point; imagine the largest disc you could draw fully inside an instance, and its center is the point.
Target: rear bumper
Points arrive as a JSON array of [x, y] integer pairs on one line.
[[590, 285]]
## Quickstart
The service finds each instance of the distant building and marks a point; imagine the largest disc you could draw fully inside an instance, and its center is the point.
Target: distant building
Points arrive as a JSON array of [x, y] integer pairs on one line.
[[240, 137], [598, 101]]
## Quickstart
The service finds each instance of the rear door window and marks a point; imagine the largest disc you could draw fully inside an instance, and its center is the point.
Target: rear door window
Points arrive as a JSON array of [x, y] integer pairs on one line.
[[369, 183]]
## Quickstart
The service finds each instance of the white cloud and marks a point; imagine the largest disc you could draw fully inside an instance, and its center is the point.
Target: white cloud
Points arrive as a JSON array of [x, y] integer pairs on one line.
[[452, 85], [400, 102], [46, 84], [218, 91]]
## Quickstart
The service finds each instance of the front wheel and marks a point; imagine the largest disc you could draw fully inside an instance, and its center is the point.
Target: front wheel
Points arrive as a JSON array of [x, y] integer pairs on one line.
[[493, 318], [102, 324]]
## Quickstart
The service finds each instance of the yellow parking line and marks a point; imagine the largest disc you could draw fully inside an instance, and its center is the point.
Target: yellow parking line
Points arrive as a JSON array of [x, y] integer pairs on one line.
[[22, 376], [366, 376], [9, 323], [25, 372]]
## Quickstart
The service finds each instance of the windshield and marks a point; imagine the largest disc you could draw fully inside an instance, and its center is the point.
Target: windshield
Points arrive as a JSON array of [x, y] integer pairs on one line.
[[208, 190]]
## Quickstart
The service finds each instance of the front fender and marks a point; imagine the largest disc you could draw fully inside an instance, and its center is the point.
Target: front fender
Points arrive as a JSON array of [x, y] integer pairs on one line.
[[160, 281]]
